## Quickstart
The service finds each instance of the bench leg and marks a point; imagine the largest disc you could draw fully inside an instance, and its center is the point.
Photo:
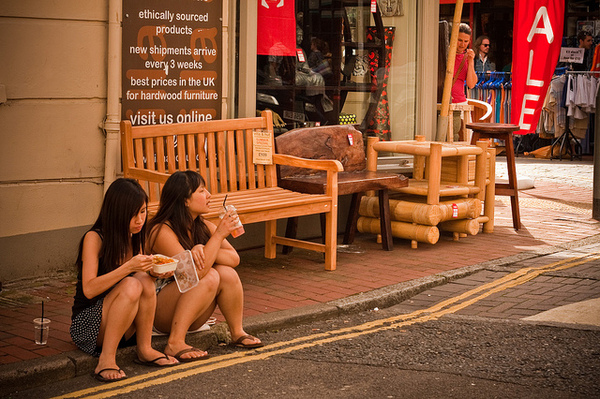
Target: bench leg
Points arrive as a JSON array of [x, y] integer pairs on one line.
[[291, 231], [331, 239], [270, 232]]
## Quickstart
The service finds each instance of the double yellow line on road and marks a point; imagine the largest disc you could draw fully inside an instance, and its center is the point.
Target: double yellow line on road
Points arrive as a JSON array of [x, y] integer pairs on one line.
[[436, 311]]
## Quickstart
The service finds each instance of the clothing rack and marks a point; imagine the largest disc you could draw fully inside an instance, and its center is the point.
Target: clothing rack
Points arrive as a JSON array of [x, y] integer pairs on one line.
[[494, 88], [567, 140]]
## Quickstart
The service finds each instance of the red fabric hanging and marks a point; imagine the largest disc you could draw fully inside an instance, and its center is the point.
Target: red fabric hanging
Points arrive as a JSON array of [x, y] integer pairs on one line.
[[276, 28], [537, 35]]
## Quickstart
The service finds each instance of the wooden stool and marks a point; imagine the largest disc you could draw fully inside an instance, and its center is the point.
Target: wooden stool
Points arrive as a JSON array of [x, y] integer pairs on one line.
[[502, 131]]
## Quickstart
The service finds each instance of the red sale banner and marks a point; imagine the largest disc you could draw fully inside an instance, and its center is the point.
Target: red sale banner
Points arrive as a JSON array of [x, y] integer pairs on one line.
[[276, 31], [537, 36]]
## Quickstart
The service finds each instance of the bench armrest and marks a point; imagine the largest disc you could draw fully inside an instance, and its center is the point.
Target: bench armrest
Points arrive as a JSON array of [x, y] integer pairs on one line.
[[147, 175], [332, 165]]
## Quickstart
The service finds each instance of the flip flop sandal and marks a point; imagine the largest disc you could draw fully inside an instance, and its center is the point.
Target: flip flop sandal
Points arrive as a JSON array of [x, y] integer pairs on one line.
[[190, 359], [239, 343], [154, 363], [98, 375]]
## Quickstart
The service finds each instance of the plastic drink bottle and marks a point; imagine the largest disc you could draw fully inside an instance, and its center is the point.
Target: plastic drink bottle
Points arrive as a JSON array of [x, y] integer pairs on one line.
[[239, 228]]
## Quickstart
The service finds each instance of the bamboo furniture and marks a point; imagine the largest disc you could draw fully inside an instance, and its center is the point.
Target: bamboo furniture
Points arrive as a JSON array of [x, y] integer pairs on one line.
[[502, 131], [223, 152], [450, 181]]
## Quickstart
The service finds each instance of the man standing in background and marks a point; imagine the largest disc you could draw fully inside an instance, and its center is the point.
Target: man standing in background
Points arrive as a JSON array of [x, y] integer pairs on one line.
[[585, 42], [482, 52]]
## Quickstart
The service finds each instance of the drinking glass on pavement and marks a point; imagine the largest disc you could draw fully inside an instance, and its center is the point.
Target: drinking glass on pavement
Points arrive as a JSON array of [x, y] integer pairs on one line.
[[41, 327]]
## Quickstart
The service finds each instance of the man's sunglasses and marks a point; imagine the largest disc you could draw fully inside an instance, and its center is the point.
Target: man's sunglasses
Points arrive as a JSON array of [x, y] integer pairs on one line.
[[485, 45]]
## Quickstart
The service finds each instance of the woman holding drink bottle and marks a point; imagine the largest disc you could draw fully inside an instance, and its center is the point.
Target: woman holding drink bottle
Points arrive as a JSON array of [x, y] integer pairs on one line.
[[179, 226]]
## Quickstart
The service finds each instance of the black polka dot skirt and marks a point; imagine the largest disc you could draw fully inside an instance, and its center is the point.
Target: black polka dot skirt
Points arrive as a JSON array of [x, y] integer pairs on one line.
[[85, 328]]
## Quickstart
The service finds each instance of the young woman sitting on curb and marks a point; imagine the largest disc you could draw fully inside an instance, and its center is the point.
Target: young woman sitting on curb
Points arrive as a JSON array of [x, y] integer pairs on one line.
[[179, 226], [115, 298]]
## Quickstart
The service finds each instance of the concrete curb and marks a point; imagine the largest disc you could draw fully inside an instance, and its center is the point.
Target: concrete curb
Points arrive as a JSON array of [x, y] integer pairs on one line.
[[36, 372]]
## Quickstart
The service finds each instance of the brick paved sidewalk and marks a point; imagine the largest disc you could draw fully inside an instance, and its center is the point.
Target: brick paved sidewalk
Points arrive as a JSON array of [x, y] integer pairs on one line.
[[549, 215]]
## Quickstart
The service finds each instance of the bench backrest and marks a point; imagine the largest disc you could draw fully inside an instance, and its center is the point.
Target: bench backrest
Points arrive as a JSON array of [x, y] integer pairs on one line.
[[220, 150]]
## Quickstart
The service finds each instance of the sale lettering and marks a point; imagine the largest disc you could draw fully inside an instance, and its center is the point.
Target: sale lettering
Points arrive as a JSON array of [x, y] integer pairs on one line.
[[535, 52], [546, 30]]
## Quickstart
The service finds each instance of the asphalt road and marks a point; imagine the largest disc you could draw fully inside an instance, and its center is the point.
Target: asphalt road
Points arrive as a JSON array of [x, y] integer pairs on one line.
[[382, 353]]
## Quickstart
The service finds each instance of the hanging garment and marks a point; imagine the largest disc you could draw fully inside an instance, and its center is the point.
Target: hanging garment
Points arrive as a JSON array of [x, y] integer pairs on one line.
[[578, 102], [545, 126], [591, 83], [581, 94], [557, 103], [502, 100], [571, 102]]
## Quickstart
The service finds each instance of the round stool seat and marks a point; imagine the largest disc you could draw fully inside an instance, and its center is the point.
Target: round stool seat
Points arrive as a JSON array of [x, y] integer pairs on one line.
[[493, 128]]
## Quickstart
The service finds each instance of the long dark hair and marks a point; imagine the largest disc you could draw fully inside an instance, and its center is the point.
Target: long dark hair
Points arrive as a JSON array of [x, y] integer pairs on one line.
[[122, 201], [172, 210], [477, 44]]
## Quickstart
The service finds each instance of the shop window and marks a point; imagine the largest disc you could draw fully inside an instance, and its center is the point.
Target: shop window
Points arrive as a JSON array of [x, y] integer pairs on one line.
[[330, 79]]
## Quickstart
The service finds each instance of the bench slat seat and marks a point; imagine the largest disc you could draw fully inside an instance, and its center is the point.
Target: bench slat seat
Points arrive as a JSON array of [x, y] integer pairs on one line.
[[272, 199]]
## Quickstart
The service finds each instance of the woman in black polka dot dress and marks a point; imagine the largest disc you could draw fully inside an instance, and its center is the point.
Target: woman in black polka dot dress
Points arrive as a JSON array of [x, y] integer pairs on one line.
[[115, 298]]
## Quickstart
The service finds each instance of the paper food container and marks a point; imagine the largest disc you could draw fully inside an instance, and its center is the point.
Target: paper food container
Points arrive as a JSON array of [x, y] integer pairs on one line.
[[162, 264], [185, 274]]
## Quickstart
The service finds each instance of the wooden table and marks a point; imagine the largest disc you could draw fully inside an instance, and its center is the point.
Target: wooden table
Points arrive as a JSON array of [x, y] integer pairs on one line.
[[502, 131], [355, 183]]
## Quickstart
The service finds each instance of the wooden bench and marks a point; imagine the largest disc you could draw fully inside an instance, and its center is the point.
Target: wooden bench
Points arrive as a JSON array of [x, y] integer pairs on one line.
[[222, 151], [345, 144]]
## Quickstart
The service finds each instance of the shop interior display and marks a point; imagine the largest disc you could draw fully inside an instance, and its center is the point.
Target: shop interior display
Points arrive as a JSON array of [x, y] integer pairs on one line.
[[332, 61]]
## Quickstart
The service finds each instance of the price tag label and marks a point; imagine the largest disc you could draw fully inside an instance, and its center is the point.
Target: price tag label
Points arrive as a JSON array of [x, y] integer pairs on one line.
[[454, 210], [373, 6], [262, 146], [350, 139], [571, 54], [300, 55]]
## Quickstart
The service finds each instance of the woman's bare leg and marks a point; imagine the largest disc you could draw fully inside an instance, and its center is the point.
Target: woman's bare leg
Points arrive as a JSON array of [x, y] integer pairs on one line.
[[118, 312], [177, 312], [144, 320], [230, 299]]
